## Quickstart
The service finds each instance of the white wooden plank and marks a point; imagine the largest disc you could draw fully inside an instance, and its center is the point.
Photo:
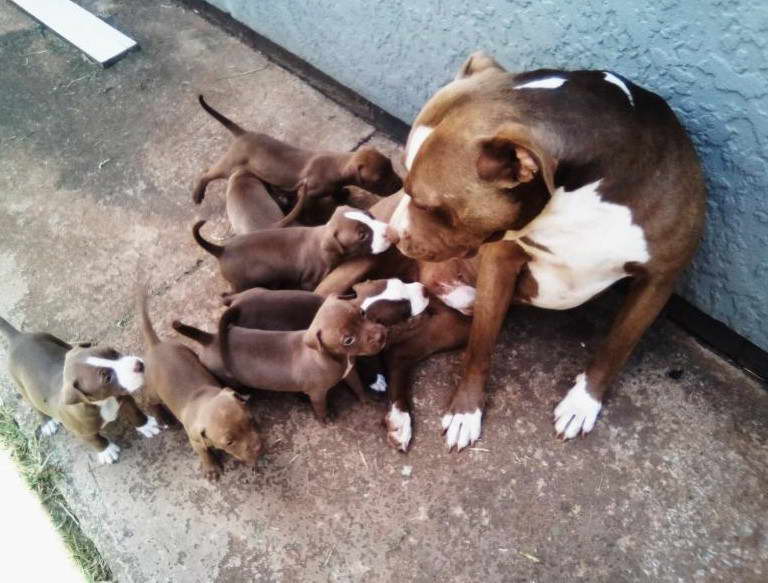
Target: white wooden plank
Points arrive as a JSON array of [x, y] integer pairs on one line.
[[88, 33]]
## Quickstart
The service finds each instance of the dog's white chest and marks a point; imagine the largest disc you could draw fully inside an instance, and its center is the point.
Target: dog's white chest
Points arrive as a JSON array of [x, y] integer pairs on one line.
[[579, 245], [108, 409]]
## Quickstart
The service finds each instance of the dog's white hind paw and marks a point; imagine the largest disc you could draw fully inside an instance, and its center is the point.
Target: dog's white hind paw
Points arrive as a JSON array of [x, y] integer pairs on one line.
[[150, 428], [399, 430], [109, 454], [577, 412], [380, 384], [461, 429], [50, 427]]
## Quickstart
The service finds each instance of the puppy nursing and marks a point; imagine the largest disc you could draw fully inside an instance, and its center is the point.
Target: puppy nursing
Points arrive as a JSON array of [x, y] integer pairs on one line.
[[309, 361], [296, 257], [82, 387]]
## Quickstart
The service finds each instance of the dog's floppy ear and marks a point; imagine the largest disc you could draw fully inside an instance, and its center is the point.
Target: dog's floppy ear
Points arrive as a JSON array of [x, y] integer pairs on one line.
[[331, 243], [314, 340], [71, 393], [511, 157], [204, 438], [476, 63]]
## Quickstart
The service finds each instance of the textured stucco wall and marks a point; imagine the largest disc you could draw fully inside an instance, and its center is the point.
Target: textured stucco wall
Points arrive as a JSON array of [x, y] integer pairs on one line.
[[708, 58]]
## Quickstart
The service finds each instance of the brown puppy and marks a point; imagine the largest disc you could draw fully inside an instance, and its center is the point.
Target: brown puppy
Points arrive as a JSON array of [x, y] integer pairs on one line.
[[250, 208], [83, 387], [441, 327], [267, 309], [386, 302], [296, 257], [214, 417], [310, 174], [310, 361]]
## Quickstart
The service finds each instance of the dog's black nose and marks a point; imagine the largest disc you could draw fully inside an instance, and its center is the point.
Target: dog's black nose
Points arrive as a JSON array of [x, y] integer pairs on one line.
[[139, 366]]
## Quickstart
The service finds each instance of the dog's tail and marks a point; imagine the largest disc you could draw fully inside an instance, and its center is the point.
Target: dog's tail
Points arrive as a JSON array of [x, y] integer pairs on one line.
[[212, 248], [297, 208], [201, 336], [223, 120], [227, 318], [8, 331], [150, 336]]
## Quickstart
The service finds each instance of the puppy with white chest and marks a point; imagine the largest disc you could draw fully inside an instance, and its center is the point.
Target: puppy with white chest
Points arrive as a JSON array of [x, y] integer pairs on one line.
[[82, 387], [296, 257], [309, 361], [214, 417]]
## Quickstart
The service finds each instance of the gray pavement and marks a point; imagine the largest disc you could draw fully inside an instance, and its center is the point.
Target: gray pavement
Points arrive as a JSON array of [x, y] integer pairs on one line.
[[96, 168]]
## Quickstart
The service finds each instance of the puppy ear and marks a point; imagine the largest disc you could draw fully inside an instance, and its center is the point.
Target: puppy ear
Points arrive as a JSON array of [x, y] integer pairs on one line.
[[71, 393], [476, 63], [511, 157], [331, 243], [314, 341], [204, 438]]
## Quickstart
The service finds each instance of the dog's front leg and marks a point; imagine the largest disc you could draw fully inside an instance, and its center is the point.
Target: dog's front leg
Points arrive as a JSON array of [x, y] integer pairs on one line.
[[147, 425], [107, 452], [208, 463], [500, 265], [352, 380], [577, 412]]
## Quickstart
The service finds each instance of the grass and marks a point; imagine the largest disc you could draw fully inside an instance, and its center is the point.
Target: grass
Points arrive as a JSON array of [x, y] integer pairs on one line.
[[41, 475]]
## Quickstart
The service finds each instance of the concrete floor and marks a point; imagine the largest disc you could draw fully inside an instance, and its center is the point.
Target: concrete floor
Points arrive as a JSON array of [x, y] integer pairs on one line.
[[96, 168]]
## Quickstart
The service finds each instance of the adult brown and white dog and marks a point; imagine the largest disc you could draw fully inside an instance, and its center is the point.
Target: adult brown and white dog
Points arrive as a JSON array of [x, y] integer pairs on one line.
[[565, 182]]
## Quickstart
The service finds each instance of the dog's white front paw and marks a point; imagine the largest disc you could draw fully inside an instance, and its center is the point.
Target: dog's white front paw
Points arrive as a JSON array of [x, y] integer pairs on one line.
[[380, 384], [577, 412], [462, 429], [50, 427], [150, 428], [109, 454], [399, 431]]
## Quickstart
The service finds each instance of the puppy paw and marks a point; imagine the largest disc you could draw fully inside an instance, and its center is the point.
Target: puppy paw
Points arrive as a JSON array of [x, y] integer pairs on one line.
[[461, 429], [49, 427], [399, 430], [109, 454], [150, 428], [380, 384], [577, 412], [212, 473]]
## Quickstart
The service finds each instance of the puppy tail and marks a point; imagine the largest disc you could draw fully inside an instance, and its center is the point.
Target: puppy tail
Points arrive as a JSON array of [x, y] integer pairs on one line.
[[223, 120], [212, 248], [227, 318], [201, 336], [297, 208], [150, 336], [7, 330]]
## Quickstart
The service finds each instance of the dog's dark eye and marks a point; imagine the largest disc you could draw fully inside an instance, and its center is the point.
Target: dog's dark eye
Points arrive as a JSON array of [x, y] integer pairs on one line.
[[348, 340], [363, 233], [107, 375]]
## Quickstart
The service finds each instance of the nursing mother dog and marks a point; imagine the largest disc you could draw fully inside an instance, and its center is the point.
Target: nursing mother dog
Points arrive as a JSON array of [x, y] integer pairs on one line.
[[564, 182]]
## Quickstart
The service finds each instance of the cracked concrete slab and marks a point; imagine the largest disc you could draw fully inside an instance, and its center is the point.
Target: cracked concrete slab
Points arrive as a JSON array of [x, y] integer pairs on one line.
[[95, 178]]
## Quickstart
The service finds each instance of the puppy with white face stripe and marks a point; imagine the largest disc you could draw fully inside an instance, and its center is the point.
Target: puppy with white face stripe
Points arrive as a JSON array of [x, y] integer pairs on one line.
[[82, 387], [564, 182], [297, 257]]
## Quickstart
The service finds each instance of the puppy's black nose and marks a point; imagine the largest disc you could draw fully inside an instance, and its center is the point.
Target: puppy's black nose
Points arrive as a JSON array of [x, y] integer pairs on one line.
[[139, 366]]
